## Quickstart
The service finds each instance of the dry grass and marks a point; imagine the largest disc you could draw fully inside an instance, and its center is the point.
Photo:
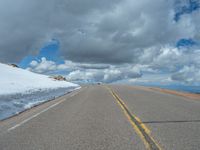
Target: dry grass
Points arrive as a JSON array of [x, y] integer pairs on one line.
[[183, 94], [173, 92]]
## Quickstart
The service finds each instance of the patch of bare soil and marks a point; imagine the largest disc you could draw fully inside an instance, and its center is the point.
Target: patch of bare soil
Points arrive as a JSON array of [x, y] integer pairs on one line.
[[184, 94]]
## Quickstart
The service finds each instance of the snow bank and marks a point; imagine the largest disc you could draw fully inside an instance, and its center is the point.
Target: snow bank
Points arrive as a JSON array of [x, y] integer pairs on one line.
[[21, 89]]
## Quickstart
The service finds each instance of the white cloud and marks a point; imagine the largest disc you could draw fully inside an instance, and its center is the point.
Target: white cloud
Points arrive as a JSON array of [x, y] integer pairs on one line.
[[33, 63], [102, 40], [188, 75], [112, 74], [43, 66], [153, 79], [166, 60]]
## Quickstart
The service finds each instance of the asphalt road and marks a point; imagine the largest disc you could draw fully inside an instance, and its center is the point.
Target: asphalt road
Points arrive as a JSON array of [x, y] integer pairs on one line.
[[106, 117]]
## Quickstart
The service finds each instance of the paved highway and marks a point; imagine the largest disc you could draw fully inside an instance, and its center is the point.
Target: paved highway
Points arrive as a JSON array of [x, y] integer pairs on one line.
[[112, 117]]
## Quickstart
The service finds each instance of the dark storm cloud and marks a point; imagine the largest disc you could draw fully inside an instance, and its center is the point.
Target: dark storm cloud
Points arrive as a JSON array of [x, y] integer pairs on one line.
[[121, 34], [112, 31], [26, 25]]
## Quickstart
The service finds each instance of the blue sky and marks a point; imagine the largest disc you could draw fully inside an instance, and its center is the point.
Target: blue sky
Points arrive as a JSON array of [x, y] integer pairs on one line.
[[186, 43], [187, 8], [50, 51]]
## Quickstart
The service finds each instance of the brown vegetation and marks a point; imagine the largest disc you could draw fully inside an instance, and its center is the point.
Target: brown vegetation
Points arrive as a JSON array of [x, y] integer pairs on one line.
[[59, 78], [14, 65]]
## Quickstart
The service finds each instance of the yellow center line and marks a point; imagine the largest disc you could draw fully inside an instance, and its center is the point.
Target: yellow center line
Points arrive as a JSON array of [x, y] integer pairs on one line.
[[141, 129]]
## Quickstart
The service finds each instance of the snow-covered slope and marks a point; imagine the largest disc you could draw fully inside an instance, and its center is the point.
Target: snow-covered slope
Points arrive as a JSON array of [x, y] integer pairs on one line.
[[21, 89], [16, 80]]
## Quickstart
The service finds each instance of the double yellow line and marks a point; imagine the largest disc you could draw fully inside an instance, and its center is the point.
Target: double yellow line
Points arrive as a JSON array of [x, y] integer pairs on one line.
[[137, 124]]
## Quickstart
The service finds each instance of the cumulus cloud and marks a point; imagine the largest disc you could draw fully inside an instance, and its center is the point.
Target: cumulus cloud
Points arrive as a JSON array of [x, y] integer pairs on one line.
[[188, 75], [105, 75], [169, 60], [101, 40], [87, 72], [43, 66], [112, 31], [126, 30]]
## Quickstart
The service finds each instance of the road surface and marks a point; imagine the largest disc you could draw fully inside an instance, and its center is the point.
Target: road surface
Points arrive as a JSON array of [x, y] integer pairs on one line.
[[111, 117]]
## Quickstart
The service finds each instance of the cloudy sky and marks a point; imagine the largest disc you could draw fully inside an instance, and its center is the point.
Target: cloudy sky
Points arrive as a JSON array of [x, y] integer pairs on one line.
[[130, 41]]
